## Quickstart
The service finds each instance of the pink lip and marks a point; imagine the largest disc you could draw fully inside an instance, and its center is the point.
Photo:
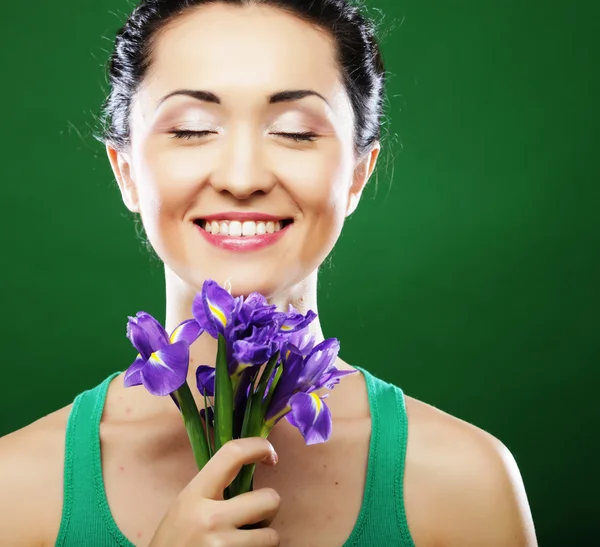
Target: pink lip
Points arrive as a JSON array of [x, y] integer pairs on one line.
[[243, 216], [243, 243]]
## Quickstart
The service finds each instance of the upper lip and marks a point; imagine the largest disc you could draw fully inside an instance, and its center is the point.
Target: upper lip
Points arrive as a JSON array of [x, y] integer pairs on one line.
[[241, 216]]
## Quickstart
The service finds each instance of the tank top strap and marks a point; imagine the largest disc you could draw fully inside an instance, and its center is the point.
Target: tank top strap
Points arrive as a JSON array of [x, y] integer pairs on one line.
[[86, 518], [384, 517], [83, 504]]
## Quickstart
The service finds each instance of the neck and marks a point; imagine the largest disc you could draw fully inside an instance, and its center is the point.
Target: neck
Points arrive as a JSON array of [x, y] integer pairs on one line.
[[179, 298]]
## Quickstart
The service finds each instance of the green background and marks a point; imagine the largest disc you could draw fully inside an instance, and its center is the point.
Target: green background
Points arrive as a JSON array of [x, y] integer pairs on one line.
[[471, 267]]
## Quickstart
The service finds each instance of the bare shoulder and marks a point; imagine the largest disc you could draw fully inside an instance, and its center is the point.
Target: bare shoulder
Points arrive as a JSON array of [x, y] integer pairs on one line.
[[463, 486], [31, 481]]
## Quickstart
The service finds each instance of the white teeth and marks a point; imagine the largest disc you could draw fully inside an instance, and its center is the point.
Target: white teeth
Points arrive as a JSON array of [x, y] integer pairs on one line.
[[249, 228], [236, 228]]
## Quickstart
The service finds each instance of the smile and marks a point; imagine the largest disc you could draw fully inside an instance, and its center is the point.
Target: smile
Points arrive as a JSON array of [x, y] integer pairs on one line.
[[243, 235], [247, 228]]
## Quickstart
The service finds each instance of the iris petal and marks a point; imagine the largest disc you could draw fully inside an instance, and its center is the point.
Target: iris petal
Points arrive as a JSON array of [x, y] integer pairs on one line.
[[295, 321], [312, 417], [218, 307], [332, 377], [205, 380], [320, 359], [301, 342], [139, 338], [188, 331], [133, 375], [321, 430], [250, 352], [157, 336], [288, 384], [166, 370], [200, 315]]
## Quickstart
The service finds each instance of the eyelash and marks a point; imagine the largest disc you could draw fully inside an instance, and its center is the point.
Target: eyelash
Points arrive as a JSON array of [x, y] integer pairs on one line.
[[308, 136]]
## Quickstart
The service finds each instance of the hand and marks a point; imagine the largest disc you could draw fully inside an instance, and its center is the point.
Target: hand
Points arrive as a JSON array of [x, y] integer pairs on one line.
[[200, 517]]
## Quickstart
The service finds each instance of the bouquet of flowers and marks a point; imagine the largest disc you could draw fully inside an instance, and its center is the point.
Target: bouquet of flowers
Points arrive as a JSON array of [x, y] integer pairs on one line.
[[267, 367]]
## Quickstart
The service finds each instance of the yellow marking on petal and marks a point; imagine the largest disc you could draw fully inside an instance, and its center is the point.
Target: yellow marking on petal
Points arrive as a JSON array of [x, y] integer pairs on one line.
[[318, 401], [287, 354], [176, 333], [217, 313], [157, 360], [285, 327]]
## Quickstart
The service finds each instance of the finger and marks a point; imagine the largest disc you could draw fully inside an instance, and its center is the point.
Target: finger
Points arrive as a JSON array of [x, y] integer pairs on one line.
[[224, 466], [261, 537], [253, 507]]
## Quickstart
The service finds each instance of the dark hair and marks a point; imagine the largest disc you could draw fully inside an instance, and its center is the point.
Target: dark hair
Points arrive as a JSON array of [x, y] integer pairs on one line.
[[358, 56]]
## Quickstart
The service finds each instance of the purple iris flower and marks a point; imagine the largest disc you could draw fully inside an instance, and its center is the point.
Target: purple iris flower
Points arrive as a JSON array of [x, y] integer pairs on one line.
[[249, 326], [258, 347], [205, 380], [295, 394], [294, 321], [300, 342], [161, 365], [214, 308]]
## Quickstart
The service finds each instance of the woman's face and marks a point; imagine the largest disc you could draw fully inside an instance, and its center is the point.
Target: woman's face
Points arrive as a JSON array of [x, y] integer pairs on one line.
[[236, 162]]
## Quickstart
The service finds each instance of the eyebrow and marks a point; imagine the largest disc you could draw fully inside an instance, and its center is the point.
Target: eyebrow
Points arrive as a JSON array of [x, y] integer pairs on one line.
[[279, 97]]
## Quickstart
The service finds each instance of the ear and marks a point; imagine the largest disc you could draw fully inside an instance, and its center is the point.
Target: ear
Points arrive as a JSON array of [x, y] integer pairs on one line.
[[362, 173], [121, 166]]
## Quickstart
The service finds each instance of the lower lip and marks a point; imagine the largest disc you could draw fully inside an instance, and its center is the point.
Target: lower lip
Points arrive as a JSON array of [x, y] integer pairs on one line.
[[243, 243]]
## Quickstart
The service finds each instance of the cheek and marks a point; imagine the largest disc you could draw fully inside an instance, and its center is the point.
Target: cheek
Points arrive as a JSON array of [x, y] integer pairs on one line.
[[168, 177], [319, 181]]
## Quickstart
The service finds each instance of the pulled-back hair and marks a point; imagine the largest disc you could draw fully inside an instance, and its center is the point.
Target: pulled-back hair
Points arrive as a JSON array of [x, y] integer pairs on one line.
[[357, 51]]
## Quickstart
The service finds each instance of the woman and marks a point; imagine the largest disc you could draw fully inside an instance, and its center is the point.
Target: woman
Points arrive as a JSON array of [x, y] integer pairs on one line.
[[243, 133]]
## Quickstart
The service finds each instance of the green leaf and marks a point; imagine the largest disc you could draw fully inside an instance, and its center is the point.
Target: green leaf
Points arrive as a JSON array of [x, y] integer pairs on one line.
[[193, 425], [267, 372]]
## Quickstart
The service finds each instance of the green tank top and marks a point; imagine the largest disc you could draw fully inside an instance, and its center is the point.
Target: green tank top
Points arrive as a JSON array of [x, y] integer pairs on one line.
[[87, 519]]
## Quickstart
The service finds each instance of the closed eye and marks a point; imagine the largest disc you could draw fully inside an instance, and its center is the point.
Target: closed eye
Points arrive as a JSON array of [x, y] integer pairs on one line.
[[187, 134], [307, 136], [298, 137]]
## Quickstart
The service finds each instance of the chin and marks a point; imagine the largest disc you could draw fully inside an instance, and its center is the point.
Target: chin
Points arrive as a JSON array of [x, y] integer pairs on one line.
[[245, 279]]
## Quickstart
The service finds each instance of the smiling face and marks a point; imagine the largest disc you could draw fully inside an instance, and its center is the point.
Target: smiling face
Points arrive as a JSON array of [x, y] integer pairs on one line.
[[203, 165]]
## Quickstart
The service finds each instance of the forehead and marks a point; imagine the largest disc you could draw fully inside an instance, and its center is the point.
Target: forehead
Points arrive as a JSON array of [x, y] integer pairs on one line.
[[243, 50]]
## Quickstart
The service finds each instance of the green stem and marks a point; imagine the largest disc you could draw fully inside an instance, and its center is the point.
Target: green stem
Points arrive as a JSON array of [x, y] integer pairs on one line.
[[223, 399], [206, 427], [193, 425], [253, 423], [273, 387], [244, 479], [254, 427], [266, 375]]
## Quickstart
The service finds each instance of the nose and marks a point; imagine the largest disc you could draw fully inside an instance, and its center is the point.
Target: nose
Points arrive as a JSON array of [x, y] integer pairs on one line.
[[242, 170]]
